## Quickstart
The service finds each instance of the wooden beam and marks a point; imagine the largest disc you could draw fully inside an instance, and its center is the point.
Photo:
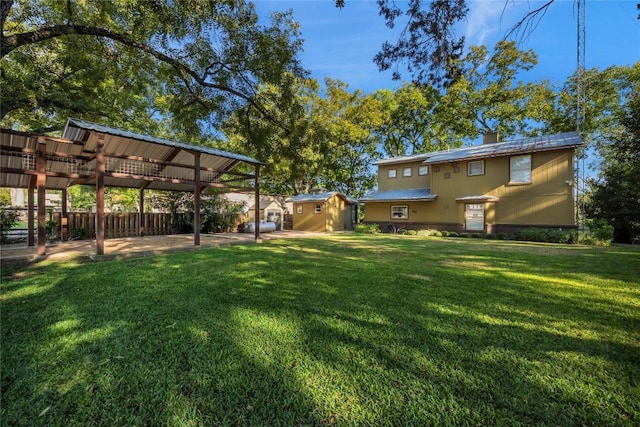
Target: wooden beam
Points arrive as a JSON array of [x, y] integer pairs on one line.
[[257, 205], [196, 199], [100, 195], [64, 217], [41, 178], [30, 214], [141, 213]]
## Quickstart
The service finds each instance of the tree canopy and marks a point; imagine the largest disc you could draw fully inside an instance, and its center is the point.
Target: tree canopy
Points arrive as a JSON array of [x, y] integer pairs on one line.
[[139, 62]]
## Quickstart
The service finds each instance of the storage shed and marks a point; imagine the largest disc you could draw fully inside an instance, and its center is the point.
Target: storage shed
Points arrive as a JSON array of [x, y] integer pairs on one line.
[[324, 211]]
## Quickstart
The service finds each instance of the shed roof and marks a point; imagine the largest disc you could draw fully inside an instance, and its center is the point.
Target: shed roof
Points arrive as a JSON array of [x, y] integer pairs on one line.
[[321, 197], [508, 148], [408, 195]]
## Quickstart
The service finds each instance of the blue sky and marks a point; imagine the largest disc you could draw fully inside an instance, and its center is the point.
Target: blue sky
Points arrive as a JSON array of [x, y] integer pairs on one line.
[[341, 44]]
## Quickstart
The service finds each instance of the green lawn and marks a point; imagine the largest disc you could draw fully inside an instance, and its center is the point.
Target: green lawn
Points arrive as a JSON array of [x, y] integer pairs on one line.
[[339, 330]]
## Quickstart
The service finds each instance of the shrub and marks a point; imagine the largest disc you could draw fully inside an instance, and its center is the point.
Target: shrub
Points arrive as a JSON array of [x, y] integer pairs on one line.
[[445, 233], [600, 233], [79, 233], [490, 236], [8, 218], [476, 235], [367, 228], [546, 235], [503, 236], [410, 232], [454, 234]]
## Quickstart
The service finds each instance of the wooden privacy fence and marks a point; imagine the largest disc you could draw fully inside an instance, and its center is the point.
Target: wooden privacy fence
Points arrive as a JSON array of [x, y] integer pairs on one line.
[[83, 224]]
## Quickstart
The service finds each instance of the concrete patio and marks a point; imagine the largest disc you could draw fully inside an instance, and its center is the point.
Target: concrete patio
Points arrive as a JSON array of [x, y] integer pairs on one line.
[[133, 246]]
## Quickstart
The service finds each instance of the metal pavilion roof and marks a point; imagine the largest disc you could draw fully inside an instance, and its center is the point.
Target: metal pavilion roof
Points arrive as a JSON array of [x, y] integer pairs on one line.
[[132, 160], [507, 148]]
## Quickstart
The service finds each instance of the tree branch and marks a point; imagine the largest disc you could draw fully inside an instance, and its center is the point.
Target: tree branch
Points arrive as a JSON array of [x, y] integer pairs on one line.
[[12, 42]]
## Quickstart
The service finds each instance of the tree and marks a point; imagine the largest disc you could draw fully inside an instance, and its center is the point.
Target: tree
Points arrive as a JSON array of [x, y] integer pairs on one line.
[[351, 121], [487, 98], [136, 62], [615, 196], [328, 142], [427, 44], [410, 125]]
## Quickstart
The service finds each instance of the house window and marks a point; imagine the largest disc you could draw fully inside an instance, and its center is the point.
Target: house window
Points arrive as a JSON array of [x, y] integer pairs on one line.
[[318, 209], [391, 173], [406, 172], [520, 169], [423, 170], [400, 212], [299, 209], [436, 168], [475, 168]]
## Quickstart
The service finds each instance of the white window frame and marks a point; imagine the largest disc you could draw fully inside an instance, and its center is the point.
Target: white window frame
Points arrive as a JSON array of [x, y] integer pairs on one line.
[[299, 209], [470, 173], [318, 209], [406, 172], [423, 170], [392, 173], [520, 173], [401, 212]]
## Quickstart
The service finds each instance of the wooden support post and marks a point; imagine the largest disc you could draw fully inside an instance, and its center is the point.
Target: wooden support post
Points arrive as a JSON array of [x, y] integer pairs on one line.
[[41, 169], [257, 205], [100, 195], [30, 211], [64, 229], [196, 200], [141, 216]]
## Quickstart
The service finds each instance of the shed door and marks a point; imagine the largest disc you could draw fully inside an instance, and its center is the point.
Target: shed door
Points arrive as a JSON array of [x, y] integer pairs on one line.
[[474, 217], [274, 216]]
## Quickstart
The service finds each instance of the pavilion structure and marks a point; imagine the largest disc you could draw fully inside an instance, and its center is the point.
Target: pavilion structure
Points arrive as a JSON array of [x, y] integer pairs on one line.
[[102, 156]]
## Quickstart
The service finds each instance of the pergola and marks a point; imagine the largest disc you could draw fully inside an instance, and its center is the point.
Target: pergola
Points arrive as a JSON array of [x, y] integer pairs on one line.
[[91, 154]]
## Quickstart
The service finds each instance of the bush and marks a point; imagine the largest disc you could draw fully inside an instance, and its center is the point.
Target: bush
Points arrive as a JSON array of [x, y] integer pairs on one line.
[[367, 228], [445, 233], [8, 218], [503, 236], [410, 232], [454, 234], [600, 233], [546, 235]]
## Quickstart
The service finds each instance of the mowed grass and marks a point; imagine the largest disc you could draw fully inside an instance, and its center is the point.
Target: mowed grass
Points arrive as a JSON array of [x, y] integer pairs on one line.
[[337, 330]]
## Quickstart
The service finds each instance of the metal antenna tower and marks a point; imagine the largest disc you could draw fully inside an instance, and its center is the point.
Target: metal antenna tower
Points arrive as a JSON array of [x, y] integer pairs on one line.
[[580, 102]]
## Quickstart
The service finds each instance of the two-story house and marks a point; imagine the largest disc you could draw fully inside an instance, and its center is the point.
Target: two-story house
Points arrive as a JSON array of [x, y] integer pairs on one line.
[[497, 187]]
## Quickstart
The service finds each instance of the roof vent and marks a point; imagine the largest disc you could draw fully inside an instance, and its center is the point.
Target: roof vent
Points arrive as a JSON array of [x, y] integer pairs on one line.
[[490, 137], [317, 190]]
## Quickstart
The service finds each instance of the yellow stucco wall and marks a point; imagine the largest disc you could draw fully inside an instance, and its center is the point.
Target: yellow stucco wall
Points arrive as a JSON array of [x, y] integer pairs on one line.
[[400, 181], [306, 219], [547, 200]]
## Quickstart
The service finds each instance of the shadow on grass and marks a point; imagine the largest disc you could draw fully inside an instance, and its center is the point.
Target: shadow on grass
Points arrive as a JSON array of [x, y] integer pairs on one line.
[[353, 331]]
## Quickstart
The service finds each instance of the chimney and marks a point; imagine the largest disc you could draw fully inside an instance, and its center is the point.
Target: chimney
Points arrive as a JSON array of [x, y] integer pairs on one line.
[[490, 137]]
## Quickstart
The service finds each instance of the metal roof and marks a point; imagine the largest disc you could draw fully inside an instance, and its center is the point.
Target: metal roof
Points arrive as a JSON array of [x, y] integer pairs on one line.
[[77, 129], [320, 197], [414, 194], [132, 160], [478, 199], [519, 146], [402, 159]]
